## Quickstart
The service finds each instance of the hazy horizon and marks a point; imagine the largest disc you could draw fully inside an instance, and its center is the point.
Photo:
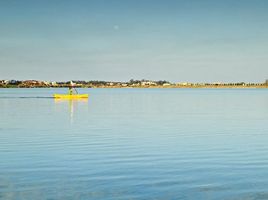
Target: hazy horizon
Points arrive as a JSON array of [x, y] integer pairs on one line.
[[173, 40]]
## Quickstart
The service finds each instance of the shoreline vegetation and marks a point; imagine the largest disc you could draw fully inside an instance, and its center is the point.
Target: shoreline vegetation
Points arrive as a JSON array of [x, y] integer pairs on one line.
[[130, 84]]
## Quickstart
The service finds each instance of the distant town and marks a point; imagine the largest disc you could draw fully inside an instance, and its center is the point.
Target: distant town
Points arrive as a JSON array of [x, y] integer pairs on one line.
[[130, 84]]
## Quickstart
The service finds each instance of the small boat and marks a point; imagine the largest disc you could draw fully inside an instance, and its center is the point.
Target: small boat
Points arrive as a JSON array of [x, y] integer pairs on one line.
[[70, 96], [73, 94]]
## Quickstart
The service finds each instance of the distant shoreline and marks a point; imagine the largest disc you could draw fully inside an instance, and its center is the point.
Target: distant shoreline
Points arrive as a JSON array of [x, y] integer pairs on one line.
[[130, 84], [153, 87]]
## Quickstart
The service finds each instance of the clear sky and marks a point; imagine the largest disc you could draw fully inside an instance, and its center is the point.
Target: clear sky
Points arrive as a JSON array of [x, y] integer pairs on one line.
[[175, 40]]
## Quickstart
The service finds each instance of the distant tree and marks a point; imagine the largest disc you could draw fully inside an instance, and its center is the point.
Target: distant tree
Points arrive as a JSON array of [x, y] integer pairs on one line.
[[131, 81], [161, 82]]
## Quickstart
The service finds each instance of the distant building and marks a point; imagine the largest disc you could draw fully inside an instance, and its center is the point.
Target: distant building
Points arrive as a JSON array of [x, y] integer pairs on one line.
[[11, 82], [144, 83], [185, 83], [54, 83], [166, 84]]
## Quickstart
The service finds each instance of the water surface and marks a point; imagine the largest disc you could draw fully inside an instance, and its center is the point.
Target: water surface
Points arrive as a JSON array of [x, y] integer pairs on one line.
[[134, 144]]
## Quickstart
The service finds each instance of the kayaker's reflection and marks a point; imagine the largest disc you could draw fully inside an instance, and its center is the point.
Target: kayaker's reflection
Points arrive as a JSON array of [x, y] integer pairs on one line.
[[72, 105]]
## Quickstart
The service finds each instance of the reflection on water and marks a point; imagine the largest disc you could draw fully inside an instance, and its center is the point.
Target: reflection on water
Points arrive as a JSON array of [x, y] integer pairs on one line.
[[134, 144], [73, 104]]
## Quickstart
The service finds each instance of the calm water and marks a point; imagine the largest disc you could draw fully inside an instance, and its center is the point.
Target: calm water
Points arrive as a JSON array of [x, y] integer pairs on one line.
[[134, 144]]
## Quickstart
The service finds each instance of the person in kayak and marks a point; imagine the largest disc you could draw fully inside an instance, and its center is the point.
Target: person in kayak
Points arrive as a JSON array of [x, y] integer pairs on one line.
[[70, 90]]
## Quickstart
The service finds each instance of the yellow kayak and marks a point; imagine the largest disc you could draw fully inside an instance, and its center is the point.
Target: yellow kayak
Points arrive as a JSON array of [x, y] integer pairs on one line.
[[71, 96]]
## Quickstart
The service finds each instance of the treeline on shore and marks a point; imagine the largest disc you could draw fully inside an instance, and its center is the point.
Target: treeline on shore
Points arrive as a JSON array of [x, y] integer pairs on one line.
[[132, 84]]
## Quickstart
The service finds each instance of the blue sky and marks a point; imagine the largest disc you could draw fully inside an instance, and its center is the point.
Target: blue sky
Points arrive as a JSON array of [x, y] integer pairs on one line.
[[175, 40]]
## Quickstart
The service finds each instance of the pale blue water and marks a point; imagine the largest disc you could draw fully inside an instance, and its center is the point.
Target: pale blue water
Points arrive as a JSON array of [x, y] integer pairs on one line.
[[134, 144]]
